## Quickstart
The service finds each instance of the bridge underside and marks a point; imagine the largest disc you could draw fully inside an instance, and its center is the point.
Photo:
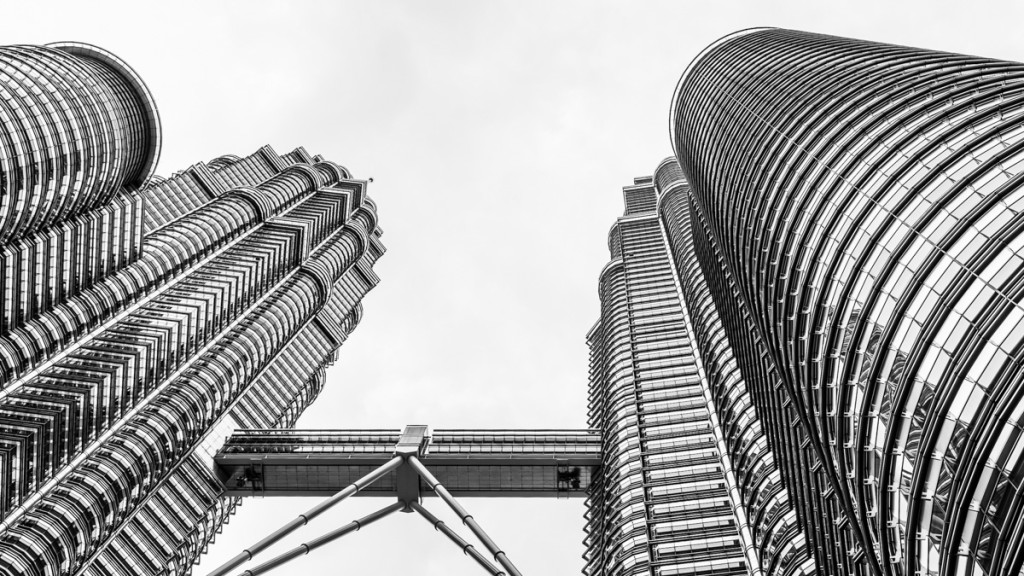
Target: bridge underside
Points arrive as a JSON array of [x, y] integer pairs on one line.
[[531, 463]]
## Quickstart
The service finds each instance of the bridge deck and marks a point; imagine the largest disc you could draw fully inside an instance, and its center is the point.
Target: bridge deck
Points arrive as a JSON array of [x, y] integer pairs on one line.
[[538, 463]]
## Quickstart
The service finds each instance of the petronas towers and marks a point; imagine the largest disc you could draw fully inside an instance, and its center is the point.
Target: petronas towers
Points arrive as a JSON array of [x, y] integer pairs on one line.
[[809, 357]]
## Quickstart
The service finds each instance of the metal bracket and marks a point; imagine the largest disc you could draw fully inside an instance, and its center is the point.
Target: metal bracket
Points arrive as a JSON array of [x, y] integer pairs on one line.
[[413, 442]]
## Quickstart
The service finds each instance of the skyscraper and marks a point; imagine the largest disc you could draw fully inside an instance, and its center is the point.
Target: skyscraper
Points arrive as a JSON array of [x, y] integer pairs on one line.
[[662, 498], [679, 485], [857, 214], [145, 318]]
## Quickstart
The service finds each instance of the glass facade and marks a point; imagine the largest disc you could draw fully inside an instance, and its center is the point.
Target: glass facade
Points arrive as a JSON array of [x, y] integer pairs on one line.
[[145, 318], [857, 210]]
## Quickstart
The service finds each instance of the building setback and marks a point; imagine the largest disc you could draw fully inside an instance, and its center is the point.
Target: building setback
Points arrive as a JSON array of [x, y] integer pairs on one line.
[[145, 318], [857, 211], [664, 501]]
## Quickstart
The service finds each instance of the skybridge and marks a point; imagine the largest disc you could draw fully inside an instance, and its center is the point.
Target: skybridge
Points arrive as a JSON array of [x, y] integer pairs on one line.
[[495, 463], [405, 465]]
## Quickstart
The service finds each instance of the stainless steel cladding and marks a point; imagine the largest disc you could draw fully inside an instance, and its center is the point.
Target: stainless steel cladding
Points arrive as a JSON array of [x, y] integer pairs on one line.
[[143, 319], [858, 210]]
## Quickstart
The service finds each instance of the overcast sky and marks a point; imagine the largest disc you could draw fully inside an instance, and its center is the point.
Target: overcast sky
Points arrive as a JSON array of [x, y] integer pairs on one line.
[[498, 136]]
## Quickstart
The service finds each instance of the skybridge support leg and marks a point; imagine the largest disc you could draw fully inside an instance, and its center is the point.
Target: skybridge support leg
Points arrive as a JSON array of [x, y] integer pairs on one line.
[[467, 548], [303, 549], [468, 520], [302, 519]]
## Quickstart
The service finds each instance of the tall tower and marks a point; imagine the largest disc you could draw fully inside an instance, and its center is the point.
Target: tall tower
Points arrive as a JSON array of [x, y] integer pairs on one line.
[[858, 210], [665, 500], [146, 318]]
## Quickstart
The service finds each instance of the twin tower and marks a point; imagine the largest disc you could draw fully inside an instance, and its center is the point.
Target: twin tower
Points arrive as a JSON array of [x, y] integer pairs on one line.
[[144, 318], [809, 359]]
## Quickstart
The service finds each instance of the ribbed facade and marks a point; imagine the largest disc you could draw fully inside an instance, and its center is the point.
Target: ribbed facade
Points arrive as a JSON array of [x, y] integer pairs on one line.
[[663, 503], [146, 318], [857, 212], [780, 545]]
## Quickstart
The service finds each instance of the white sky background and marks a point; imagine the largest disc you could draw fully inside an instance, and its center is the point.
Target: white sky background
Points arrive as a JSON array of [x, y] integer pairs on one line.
[[499, 136]]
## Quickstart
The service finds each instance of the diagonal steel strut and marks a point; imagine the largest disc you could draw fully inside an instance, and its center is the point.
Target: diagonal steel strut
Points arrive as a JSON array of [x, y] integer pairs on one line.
[[303, 549], [302, 519], [468, 520], [412, 443], [467, 548]]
